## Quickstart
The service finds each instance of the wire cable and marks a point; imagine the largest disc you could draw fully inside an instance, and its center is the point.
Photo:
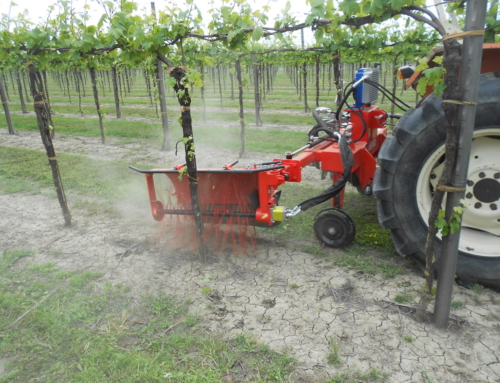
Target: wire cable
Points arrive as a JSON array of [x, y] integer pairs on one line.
[[382, 89]]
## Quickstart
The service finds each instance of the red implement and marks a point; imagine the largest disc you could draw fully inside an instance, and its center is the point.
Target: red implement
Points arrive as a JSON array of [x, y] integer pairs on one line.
[[252, 192]]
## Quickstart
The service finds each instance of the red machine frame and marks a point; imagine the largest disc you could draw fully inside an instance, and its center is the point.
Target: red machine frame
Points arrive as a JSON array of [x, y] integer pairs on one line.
[[236, 184]]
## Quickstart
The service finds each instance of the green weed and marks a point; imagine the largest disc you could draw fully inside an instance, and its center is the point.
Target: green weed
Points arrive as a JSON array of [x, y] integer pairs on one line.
[[408, 339], [373, 375], [455, 305], [478, 289], [403, 298], [333, 356]]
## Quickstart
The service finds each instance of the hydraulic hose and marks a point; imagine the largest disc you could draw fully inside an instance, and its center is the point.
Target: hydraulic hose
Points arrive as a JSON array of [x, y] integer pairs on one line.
[[347, 162]]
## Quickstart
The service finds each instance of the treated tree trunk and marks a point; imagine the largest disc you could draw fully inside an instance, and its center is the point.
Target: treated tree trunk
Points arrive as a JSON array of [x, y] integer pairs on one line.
[[20, 90], [268, 76], [82, 81], [12, 83], [394, 85], [202, 90], [317, 81], [127, 79], [330, 77], [46, 87], [5, 104], [43, 120], [96, 100], [304, 74], [115, 92], [337, 78], [184, 100], [25, 87], [120, 87], [242, 115], [67, 86], [163, 106], [258, 120], [232, 85], [220, 87], [78, 90]]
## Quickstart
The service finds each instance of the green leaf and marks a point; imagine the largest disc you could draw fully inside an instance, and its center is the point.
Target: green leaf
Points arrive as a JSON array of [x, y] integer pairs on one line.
[[349, 7], [454, 227], [231, 35], [257, 33], [445, 231]]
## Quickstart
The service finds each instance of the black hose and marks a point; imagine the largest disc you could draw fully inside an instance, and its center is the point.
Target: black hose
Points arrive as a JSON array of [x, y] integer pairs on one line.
[[322, 126], [347, 163], [388, 94], [344, 100]]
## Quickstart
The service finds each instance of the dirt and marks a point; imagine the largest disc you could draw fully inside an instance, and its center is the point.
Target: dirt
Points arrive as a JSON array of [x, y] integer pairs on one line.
[[286, 298]]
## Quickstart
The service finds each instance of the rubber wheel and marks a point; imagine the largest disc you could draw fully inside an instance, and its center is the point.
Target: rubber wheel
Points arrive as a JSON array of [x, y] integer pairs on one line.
[[410, 163], [334, 228]]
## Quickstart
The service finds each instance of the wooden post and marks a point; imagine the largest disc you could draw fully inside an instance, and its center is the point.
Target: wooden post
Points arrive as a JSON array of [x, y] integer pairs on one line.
[[202, 90], [337, 78], [394, 84], [43, 118], [115, 91], [20, 90], [232, 85], [78, 90], [317, 81], [242, 115], [163, 106], [258, 120], [93, 80], [304, 75], [5, 104], [220, 87]]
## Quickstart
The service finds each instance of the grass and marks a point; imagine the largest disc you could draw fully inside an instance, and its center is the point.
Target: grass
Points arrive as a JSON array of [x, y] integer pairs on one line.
[[456, 305], [408, 339], [27, 170], [403, 298], [372, 375], [87, 331], [478, 289], [270, 141], [333, 356]]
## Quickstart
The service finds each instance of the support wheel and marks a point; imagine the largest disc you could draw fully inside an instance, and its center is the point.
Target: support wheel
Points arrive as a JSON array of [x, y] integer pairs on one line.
[[334, 228], [411, 162]]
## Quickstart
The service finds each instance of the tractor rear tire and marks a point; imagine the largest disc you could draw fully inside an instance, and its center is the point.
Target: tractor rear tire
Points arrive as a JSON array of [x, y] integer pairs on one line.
[[410, 163]]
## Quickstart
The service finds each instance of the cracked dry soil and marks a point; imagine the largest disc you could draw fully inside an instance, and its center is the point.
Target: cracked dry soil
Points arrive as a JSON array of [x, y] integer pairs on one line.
[[284, 297]]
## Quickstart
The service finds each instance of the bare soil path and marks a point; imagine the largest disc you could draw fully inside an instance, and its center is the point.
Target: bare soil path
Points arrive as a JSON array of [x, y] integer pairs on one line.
[[286, 298]]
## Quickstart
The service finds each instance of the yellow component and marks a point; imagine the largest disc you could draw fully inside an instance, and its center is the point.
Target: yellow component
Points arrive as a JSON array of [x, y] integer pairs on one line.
[[279, 213]]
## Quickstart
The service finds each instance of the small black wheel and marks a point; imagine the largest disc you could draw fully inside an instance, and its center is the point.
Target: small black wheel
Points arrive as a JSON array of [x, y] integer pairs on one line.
[[334, 228]]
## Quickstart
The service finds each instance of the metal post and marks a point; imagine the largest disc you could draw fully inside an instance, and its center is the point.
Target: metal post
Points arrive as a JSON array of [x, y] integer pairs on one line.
[[469, 82]]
